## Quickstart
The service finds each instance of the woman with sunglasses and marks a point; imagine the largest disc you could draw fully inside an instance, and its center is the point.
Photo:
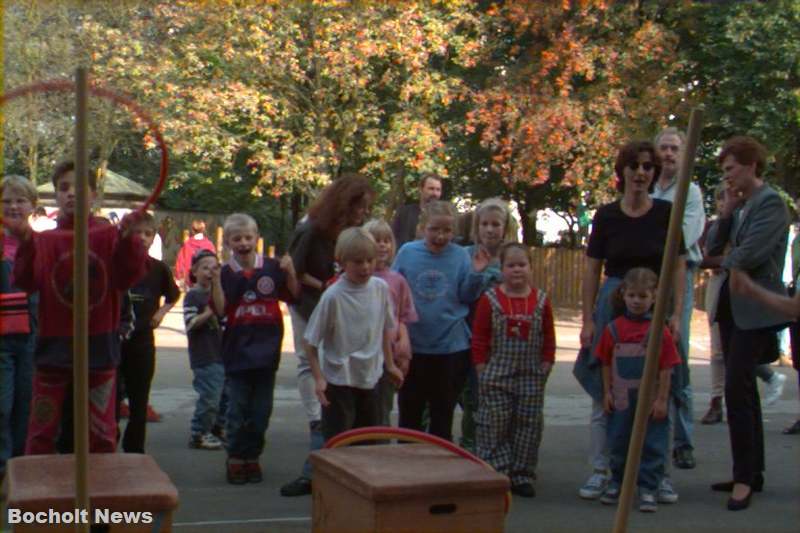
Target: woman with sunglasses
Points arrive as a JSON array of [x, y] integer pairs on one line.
[[627, 233]]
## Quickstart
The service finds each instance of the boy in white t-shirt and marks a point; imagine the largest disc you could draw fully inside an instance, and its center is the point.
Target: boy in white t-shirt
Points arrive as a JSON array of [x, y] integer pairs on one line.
[[348, 339]]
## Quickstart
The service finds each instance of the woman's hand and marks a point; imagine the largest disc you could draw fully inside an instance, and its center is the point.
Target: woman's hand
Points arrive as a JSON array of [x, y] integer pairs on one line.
[[587, 333], [608, 402], [659, 409]]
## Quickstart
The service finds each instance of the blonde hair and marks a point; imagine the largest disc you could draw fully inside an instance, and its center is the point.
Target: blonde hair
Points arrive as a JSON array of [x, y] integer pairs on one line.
[[498, 206], [238, 222], [639, 277], [437, 208], [380, 229], [20, 185], [355, 243]]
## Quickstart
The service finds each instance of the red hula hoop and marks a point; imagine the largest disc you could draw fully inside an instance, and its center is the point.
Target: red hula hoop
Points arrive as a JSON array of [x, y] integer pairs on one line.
[[129, 104]]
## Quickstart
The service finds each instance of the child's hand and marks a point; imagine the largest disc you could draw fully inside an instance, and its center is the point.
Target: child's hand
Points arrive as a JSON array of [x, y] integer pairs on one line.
[[287, 265], [608, 402], [481, 259], [215, 274], [659, 409], [320, 386], [547, 367], [396, 376], [479, 368], [158, 317]]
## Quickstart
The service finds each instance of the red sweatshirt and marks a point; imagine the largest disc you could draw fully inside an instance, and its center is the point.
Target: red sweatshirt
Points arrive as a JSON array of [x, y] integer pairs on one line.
[[183, 263], [44, 264], [482, 324]]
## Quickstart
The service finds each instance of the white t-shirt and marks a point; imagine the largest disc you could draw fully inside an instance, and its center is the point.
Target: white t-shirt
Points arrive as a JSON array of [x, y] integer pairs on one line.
[[347, 328]]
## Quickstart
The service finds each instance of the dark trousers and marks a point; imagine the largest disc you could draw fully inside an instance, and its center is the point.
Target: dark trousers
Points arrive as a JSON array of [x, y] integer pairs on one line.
[[135, 374], [741, 350], [431, 381], [349, 408]]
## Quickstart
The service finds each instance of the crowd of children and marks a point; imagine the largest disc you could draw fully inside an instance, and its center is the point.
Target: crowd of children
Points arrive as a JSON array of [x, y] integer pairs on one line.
[[437, 323]]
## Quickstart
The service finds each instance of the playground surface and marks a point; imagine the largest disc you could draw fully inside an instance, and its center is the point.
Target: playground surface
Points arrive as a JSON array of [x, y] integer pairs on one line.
[[209, 504]]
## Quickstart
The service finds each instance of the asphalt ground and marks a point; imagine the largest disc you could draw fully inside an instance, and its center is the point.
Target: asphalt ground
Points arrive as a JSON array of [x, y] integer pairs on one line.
[[208, 503]]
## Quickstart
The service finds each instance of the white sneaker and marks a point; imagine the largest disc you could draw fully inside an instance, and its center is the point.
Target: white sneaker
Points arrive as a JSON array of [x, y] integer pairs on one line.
[[206, 441], [666, 493], [647, 502], [774, 388], [594, 486]]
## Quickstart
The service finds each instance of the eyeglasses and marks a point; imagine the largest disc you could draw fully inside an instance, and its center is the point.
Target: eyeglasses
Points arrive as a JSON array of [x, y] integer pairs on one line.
[[646, 166]]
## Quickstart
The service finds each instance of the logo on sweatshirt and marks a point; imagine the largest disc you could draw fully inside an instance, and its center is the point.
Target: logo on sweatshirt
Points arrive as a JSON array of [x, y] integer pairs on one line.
[[265, 285], [431, 284], [62, 282]]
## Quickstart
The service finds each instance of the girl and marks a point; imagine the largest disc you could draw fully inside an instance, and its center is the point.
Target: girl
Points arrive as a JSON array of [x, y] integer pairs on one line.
[[513, 349], [404, 311], [443, 284], [492, 226], [622, 351]]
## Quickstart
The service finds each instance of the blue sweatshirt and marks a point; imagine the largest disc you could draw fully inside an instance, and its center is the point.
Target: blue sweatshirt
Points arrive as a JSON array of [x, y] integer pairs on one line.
[[443, 285]]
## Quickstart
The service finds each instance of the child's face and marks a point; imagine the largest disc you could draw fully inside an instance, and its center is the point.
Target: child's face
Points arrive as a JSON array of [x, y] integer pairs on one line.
[[204, 270], [638, 300], [385, 250], [516, 268], [243, 243], [65, 194], [17, 207], [438, 232], [359, 269], [491, 229], [146, 233]]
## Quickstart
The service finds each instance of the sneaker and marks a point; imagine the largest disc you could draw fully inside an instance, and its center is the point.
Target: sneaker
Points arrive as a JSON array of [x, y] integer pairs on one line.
[[594, 486], [236, 471], [666, 493], [647, 502], [124, 410], [206, 441], [152, 416], [299, 487], [774, 388], [253, 471], [683, 458], [610, 495]]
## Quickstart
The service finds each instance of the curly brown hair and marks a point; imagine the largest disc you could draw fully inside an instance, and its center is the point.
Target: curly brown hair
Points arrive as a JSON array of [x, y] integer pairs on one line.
[[330, 209]]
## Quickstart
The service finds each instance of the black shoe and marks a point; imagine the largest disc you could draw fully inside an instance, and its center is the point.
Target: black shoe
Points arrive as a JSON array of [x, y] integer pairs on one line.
[[794, 429], [525, 490], [299, 487], [727, 486], [740, 505], [683, 458]]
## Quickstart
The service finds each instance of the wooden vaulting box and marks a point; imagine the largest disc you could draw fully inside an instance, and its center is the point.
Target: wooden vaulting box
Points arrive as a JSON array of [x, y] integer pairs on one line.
[[118, 482], [404, 487]]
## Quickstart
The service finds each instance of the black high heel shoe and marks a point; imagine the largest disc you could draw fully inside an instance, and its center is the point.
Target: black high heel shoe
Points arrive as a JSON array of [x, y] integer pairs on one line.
[[727, 486], [740, 505]]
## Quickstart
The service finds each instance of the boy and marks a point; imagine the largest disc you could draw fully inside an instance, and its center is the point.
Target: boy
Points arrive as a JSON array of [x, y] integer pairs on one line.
[[252, 285], [138, 349], [350, 331], [205, 349], [44, 264]]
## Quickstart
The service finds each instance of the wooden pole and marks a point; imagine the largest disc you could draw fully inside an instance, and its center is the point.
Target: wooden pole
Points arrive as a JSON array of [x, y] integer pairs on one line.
[[668, 265], [80, 301]]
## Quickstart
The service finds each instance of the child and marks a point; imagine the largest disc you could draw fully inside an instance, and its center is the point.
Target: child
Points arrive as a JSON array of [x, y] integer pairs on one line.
[[205, 350], [443, 284], [138, 350], [350, 333], [403, 307], [44, 264], [17, 324], [492, 226], [513, 350], [251, 344], [621, 350]]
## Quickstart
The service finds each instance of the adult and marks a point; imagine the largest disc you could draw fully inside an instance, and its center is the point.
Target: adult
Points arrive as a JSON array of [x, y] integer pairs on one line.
[[670, 143], [753, 223], [342, 204], [627, 233], [406, 220], [197, 241]]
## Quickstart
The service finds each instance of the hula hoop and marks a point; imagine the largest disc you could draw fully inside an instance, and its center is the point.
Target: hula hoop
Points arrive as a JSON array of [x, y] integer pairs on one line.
[[407, 435], [129, 104]]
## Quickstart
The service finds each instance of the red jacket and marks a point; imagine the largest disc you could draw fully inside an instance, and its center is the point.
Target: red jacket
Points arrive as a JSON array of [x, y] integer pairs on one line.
[[44, 264], [183, 263]]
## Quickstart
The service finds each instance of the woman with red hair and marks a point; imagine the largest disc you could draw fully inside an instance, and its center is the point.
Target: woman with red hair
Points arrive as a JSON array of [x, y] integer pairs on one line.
[[197, 241]]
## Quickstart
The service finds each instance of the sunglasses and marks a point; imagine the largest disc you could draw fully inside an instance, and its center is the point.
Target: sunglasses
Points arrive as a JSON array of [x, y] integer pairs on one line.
[[647, 166]]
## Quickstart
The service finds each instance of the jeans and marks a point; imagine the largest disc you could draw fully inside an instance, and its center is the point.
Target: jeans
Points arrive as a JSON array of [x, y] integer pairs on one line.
[[208, 382], [307, 388], [681, 413], [16, 375], [316, 443], [250, 399], [654, 447]]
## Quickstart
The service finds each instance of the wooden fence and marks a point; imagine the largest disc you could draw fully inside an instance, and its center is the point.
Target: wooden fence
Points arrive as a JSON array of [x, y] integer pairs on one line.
[[559, 271]]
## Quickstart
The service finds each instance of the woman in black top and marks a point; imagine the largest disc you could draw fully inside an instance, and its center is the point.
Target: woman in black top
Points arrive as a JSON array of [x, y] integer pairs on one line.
[[627, 233], [342, 204]]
